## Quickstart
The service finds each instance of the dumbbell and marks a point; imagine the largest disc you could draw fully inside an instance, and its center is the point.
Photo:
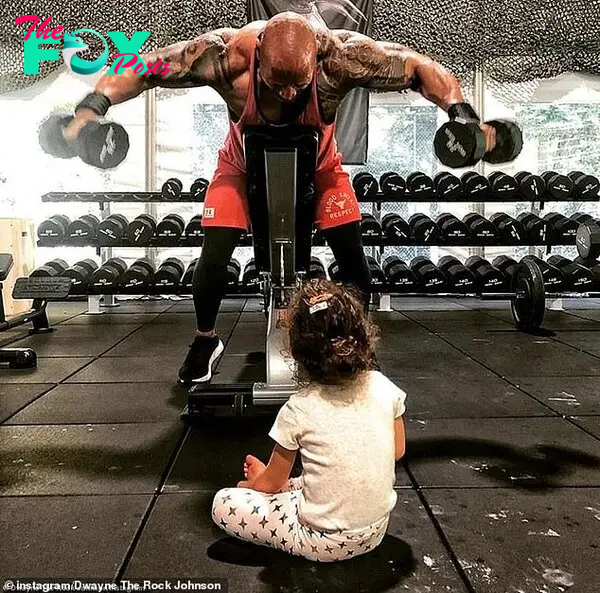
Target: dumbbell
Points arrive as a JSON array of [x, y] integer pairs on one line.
[[234, 269], [101, 144], [81, 274], [19, 358], [585, 186], [482, 231], [198, 189], [107, 278], [536, 228], [112, 230], [582, 217], [169, 274], [395, 229], [369, 226], [558, 187], [562, 230], [377, 274], [194, 231], [453, 230], [459, 278], [398, 274], [577, 277], [554, 278], [503, 186], [506, 265], [250, 277], [51, 269], [420, 186], [54, 229], [474, 185], [171, 189], [83, 229], [316, 268], [393, 186], [429, 277], [187, 280], [488, 278], [141, 230], [447, 186], [365, 186], [587, 240], [531, 187], [170, 229], [510, 231], [424, 230], [138, 277]]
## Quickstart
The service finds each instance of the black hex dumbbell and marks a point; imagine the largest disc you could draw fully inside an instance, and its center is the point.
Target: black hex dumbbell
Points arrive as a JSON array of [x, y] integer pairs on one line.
[[395, 229], [474, 185], [393, 186], [112, 230], [377, 274], [510, 231], [584, 185], [171, 189], [483, 231], [447, 186], [169, 230], [140, 230], [453, 230], [169, 274], [508, 266], [562, 230], [420, 186], [188, 277], [316, 268], [250, 277], [138, 277], [83, 229], [81, 275], [429, 277], [424, 230], [531, 187], [194, 231], [503, 186], [54, 229], [51, 269], [554, 278], [234, 270], [488, 278], [582, 217], [536, 228], [370, 229], [460, 279], [578, 278], [558, 187], [398, 275], [108, 277], [365, 186]]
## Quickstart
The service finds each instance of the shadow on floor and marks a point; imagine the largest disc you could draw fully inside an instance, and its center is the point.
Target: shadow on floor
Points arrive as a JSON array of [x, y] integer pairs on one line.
[[377, 571]]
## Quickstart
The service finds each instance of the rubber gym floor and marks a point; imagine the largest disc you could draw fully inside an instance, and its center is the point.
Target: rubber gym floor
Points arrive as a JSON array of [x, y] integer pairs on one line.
[[499, 490]]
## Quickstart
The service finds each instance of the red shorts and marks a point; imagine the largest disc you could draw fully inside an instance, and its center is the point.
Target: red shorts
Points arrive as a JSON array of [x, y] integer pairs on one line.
[[226, 202]]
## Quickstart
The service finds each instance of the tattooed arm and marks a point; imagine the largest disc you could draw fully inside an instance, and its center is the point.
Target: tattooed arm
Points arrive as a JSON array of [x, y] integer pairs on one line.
[[356, 60]]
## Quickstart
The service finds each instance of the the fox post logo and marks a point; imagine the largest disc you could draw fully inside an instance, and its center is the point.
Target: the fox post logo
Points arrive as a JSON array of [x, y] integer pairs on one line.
[[127, 57]]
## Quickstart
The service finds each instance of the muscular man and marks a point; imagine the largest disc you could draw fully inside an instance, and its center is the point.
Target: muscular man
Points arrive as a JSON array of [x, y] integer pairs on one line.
[[276, 72]]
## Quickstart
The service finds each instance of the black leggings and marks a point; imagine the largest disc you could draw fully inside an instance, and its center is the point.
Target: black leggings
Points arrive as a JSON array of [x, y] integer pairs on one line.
[[210, 273]]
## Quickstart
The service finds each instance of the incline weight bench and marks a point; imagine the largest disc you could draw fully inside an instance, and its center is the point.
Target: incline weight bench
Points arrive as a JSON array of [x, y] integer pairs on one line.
[[281, 164]]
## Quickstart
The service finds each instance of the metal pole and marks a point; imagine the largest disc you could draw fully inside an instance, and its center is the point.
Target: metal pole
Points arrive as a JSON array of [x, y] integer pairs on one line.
[[150, 176], [479, 103]]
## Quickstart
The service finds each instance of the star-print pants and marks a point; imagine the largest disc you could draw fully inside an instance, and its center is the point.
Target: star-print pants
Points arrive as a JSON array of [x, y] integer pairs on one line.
[[272, 520]]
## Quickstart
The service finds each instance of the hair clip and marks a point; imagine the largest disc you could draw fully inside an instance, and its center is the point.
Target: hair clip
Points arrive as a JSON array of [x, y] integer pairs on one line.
[[318, 302], [318, 307]]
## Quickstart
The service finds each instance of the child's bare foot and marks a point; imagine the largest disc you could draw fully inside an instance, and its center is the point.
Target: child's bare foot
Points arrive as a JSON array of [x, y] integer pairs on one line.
[[253, 467]]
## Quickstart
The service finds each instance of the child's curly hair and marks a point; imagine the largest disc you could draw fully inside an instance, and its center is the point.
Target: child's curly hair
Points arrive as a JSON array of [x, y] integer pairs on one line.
[[331, 336]]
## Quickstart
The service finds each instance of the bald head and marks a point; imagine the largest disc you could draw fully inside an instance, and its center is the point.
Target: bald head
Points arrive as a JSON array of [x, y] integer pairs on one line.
[[288, 54]]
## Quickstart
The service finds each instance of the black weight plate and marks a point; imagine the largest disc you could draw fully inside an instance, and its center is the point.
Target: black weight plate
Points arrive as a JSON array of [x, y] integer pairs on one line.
[[528, 304]]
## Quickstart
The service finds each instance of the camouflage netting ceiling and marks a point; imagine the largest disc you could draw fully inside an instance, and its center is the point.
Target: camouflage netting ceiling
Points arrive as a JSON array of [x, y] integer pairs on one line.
[[517, 41]]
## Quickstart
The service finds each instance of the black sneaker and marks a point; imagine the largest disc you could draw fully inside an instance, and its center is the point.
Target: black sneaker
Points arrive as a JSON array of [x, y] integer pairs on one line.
[[197, 367]]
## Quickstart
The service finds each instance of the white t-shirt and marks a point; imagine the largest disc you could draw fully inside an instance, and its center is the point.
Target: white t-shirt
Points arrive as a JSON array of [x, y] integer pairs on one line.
[[346, 442]]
